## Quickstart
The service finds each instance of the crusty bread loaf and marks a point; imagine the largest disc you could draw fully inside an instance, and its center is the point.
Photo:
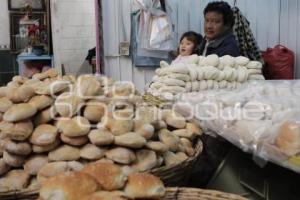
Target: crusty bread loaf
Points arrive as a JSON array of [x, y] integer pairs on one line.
[[88, 86], [19, 112], [69, 186], [33, 165], [14, 180], [64, 153], [44, 134], [288, 139], [144, 186], [121, 155], [109, 176]]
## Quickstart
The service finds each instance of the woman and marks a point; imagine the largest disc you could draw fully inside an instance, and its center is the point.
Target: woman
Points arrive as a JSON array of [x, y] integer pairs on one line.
[[218, 24]]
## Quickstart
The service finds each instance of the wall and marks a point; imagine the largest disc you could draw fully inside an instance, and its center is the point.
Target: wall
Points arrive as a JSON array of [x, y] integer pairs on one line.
[[73, 33], [272, 22], [4, 25]]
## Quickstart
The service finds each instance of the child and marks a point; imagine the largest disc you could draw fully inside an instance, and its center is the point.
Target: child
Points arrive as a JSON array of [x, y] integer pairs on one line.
[[189, 44]]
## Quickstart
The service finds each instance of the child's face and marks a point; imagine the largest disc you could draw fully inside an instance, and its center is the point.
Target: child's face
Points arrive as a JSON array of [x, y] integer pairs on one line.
[[186, 47]]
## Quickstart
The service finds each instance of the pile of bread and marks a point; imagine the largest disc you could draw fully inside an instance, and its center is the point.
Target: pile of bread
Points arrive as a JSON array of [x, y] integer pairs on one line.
[[52, 123], [261, 118], [102, 181], [200, 73]]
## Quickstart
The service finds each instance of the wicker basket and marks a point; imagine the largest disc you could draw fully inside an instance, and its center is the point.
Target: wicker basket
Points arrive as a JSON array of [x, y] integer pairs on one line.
[[171, 194], [178, 175], [199, 194]]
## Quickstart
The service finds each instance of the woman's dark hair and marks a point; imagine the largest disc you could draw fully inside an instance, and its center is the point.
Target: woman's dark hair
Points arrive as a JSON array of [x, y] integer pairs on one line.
[[193, 37], [222, 8]]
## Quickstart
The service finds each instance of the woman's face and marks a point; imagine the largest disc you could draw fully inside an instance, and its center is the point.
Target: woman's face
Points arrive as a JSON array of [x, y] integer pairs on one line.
[[186, 47], [214, 25]]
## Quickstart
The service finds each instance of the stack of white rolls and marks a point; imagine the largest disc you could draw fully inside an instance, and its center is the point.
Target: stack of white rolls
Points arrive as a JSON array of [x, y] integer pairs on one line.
[[200, 73]]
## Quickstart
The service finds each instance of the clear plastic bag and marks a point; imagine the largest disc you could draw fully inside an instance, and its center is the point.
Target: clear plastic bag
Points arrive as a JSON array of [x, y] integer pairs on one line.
[[262, 118]]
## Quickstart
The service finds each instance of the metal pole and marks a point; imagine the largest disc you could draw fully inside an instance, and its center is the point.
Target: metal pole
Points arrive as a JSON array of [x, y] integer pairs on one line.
[[97, 37]]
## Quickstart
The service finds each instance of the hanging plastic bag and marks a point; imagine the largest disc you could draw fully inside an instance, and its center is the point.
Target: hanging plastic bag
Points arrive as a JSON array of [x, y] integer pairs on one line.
[[279, 63], [155, 29]]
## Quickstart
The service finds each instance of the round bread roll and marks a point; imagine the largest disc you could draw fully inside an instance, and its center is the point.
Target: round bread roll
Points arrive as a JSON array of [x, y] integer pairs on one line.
[[288, 139], [211, 60], [109, 176], [13, 160], [44, 135], [131, 139], [88, 86], [175, 120], [68, 104], [71, 186], [145, 160], [75, 127], [33, 165], [94, 111], [45, 116], [5, 104], [151, 187], [19, 112], [50, 170], [51, 73], [241, 61], [171, 158], [157, 146], [91, 152], [19, 131], [18, 148], [64, 153], [75, 166], [40, 76], [146, 131], [21, 94], [228, 61], [15, 180], [184, 133], [41, 101], [203, 85], [254, 65], [3, 167], [188, 146], [74, 141], [169, 139], [101, 137], [121, 155], [188, 87], [45, 148]]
